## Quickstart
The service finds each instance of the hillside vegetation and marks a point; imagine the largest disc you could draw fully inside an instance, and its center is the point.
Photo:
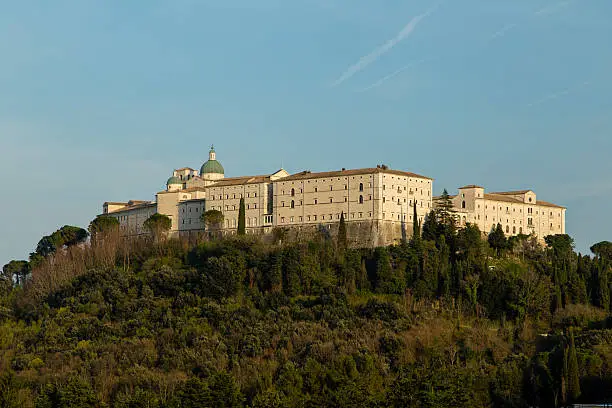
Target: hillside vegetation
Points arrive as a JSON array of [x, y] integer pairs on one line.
[[446, 319]]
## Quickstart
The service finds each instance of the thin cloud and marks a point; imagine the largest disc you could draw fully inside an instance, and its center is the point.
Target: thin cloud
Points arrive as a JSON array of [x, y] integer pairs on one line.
[[503, 31], [383, 49], [558, 94], [545, 11], [552, 8], [391, 75]]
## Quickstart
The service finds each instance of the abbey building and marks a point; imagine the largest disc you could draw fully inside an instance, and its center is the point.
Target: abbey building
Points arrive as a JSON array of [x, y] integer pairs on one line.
[[378, 203]]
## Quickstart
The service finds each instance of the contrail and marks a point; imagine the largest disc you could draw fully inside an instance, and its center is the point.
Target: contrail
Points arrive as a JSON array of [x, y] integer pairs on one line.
[[556, 95], [391, 75], [383, 49], [553, 8], [503, 31]]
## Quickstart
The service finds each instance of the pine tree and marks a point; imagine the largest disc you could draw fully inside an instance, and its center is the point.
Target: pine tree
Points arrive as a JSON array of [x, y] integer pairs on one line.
[[241, 218], [430, 227]]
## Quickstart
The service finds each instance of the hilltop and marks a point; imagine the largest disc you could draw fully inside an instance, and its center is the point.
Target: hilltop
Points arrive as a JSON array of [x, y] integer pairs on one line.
[[446, 319]]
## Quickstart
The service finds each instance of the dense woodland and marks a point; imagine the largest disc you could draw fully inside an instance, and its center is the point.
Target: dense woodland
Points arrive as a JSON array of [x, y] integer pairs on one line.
[[445, 319]]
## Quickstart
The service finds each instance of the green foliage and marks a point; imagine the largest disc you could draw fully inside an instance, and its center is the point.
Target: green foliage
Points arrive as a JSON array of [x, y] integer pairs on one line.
[[16, 271], [342, 239], [236, 323], [603, 250], [497, 239], [103, 226], [158, 225], [213, 219], [241, 218]]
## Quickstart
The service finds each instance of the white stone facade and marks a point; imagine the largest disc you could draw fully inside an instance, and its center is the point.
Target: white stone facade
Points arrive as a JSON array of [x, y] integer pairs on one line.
[[376, 199], [518, 212]]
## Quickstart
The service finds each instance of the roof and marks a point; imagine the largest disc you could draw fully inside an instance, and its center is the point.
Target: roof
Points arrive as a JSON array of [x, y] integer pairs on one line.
[[185, 168], [185, 190], [141, 204], [517, 192], [191, 201], [547, 204], [505, 198], [237, 181], [470, 186], [309, 175], [212, 166], [115, 203], [174, 180]]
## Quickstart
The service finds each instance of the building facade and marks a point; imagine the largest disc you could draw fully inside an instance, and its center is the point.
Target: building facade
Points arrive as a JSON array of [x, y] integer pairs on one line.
[[378, 204], [518, 212]]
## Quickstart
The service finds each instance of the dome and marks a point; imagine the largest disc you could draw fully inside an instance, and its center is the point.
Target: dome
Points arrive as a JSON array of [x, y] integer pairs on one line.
[[212, 165], [174, 180]]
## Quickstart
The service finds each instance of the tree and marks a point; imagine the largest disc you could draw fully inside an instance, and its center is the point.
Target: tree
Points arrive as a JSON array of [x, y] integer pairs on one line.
[[17, 271], [103, 226], [497, 239], [603, 250], [241, 218], [445, 213], [430, 227], [342, 240], [416, 226], [158, 225], [573, 376], [64, 237], [213, 219]]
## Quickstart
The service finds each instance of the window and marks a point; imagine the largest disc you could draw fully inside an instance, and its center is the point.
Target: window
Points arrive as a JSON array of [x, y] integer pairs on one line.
[[282, 220], [291, 219], [345, 199], [360, 199], [315, 217], [463, 204], [292, 193], [331, 200], [292, 204], [384, 187], [384, 199], [316, 189], [331, 188], [507, 229], [514, 230], [360, 186]]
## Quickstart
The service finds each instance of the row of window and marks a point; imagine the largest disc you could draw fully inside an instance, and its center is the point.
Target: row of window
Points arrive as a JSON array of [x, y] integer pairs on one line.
[[227, 196], [323, 217]]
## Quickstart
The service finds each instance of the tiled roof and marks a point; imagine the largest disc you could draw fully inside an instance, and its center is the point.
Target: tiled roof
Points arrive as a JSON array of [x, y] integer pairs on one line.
[[470, 186], [144, 204], [547, 204], [115, 203], [511, 192], [237, 181], [309, 175]]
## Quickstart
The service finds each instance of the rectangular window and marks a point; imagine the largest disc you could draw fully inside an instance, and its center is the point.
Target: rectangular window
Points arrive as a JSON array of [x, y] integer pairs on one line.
[[315, 217]]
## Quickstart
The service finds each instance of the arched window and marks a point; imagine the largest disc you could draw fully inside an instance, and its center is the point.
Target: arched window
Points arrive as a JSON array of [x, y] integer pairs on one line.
[[360, 199], [292, 194], [360, 186], [463, 204], [514, 230], [520, 230], [292, 204], [507, 229]]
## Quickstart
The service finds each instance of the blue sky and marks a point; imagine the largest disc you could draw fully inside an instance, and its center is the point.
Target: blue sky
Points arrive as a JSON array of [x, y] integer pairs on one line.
[[101, 99]]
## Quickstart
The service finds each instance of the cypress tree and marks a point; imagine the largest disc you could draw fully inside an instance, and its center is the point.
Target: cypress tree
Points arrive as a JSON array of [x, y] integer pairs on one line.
[[241, 218], [416, 226], [573, 377], [342, 240], [497, 239]]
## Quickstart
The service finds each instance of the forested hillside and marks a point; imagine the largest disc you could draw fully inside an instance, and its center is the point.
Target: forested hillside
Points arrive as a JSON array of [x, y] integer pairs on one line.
[[445, 319]]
